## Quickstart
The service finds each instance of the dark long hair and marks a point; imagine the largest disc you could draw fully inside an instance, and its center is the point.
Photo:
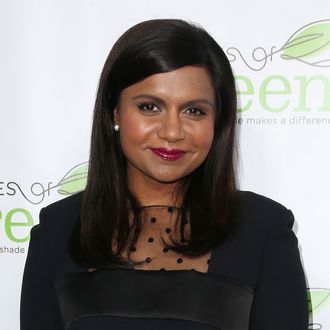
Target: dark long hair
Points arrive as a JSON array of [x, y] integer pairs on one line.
[[209, 193]]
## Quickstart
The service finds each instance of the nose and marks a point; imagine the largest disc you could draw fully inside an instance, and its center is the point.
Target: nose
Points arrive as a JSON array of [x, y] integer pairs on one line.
[[171, 128]]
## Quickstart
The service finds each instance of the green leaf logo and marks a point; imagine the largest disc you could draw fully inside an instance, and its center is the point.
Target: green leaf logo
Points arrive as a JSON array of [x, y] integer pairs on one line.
[[310, 44], [74, 181], [318, 299]]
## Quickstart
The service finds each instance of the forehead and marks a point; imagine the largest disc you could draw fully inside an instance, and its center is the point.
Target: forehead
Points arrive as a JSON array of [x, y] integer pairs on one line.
[[182, 83]]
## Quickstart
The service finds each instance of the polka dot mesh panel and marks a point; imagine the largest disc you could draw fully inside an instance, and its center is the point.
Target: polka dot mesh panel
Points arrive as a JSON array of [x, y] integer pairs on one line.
[[159, 221]]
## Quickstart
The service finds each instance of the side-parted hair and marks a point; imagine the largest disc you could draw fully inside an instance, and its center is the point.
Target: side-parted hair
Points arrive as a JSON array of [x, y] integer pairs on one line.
[[209, 192]]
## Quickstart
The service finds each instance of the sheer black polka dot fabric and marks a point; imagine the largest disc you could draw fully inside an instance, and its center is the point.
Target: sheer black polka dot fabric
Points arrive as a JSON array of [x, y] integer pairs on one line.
[[159, 221]]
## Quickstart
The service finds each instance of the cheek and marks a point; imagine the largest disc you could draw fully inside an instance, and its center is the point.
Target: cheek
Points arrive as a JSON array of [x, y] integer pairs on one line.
[[133, 131], [204, 136]]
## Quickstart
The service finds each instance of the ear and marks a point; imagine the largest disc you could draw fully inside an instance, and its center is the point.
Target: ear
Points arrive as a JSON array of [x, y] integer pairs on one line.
[[116, 116]]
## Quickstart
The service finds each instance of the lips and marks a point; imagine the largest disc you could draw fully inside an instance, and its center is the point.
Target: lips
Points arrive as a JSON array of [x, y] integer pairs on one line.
[[168, 154]]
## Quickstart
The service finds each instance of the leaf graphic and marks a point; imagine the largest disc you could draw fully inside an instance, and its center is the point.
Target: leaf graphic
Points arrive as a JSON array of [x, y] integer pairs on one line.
[[74, 181], [318, 299], [309, 41]]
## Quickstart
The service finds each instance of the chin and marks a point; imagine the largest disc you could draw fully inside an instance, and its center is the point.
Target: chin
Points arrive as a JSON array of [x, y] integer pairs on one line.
[[162, 179]]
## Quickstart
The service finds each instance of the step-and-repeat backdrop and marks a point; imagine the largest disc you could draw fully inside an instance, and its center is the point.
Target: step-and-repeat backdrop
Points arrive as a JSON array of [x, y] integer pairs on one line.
[[52, 53]]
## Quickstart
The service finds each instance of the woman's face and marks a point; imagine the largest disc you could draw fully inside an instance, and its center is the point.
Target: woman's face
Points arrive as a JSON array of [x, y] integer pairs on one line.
[[166, 111]]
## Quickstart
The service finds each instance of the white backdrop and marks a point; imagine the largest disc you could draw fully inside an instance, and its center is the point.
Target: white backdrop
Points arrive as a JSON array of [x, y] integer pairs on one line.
[[52, 53]]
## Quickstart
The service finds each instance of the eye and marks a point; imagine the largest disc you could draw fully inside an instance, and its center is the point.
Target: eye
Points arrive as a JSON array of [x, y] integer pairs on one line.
[[196, 112], [147, 107]]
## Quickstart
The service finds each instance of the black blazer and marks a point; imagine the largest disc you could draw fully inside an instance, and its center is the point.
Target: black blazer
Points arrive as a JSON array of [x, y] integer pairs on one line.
[[262, 254]]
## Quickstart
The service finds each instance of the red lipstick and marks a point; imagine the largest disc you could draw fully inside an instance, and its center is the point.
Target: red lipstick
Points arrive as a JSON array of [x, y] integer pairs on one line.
[[168, 154]]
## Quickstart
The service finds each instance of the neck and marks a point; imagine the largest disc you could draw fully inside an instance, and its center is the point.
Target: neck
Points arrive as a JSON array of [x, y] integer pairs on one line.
[[152, 192]]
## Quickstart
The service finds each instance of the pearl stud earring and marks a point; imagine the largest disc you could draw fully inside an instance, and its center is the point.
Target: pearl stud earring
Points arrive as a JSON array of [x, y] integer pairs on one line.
[[116, 127]]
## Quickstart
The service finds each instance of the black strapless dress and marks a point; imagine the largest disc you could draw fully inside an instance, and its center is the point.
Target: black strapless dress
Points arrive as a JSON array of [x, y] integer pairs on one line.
[[127, 299]]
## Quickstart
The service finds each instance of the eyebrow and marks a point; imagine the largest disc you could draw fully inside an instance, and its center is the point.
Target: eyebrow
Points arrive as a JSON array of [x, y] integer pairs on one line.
[[159, 100]]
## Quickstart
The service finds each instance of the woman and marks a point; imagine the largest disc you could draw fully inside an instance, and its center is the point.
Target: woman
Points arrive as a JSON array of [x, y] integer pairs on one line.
[[161, 238]]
